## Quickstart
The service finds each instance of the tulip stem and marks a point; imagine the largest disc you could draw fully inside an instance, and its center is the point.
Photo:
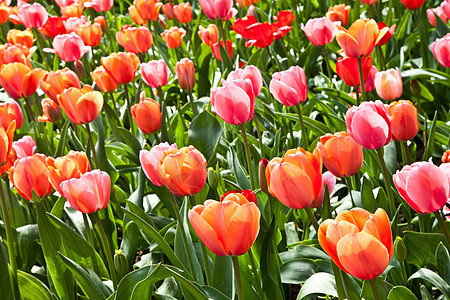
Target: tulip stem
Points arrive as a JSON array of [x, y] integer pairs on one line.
[[224, 39], [193, 107], [128, 108], [305, 142], [248, 155], [29, 109], [312, 219], [442, 224], [41, 46], [91, 142], [387, 179], [164, 119], [88, 230], [327, 62], [349, 187], [423, 38], [357, 95], [405, 153], [116, 109], [206, 263], [361, 79], [383, 61], [258, 130], [106, 248], [237, 273], [374, 285]]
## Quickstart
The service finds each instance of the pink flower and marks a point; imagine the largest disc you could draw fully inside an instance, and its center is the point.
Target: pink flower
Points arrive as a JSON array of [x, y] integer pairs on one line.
[[218, 9], [319, 31], [151, 161], [69, 47], [446, 7], [99, 5], [289, 87], [329, 180], [369, 84], [155, 73], [31, 15], [389, 84], [10, 110], [441, 50], [71, 24], [368, 2], [24, 147], [249, 72], [64, 3], [439, 12]]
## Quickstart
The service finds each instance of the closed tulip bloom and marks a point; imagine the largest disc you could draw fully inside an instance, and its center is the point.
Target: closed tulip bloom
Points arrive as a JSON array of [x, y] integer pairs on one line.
[[91, 34], [441, 50], [186, 74], [296, 179], [147, 115], [72, 24], [53, 27], [74, 10], [215, 48], [218, 9], [29, 174], [135, 39], [102, 79], [24, 147], [54, 83], [6, 140], [19, 80], [369, 2], [389, 84], [151, 161], [446, 157], [14, 53], [369, 124], [439, 12], [121, 66], [89, 193], [209, 35], [155, 73], [52, 111], [369, 84], [167, 10], [289, 87], [23, 37], [69, 47], [148, 9], [10, 111], [405, 124], [99, 5], [81, 106], [4, 13], [31, 15], [319, 31], [348, 69], [100, 20], [63, 168], [412, 4], [339, 13], [249, 72], [135, 16], [173, 37], [183, 12], [341, 154], [386, 35], [329, 181], [64, 3], [358, 242], [229, 227]]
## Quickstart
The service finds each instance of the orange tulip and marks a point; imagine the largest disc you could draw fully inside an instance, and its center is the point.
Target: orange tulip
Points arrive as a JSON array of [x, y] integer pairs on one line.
[[148, 9], [183, 12], [74, 10], [359, 243], [246, 3], [173, 36], [147, 115], [295, 179], [54, 83], [360, 39], [4, 13], [135, 16], [73, 165], [121, 66], [19, 80], [10, 111], [339, 13], [405, 124], [52, 111], [104, 82], [6, 140], [100, 20], [167, 10], [186, 74], [91, 34], [209, 35], [135, 39], [24, 37], [14, 53], [341, 154], [446, 157], [29, 174], [229, 227], [81, 106]]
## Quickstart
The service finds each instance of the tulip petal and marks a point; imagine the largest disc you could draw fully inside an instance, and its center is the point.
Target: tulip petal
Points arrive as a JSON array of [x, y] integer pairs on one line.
[[357, 216], [369, 129], [243, 228], [328, 238]]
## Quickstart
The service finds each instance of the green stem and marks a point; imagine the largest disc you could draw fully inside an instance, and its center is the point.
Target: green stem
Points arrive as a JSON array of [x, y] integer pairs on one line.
[[255, 271], [311, 217], [383, 61], [258, 130], [41, 47], [442, 224], [361, 79], [349, 187], [387, 179], [91, 142], [423, 38], [374, 285], [405, 153], [155, 40], [305, 142], [206, 263], [192, 199], [327, 62], [164, 119], [106, 248], [191, 102], [128, 108], [237, 273], [340, 283], [357, 95], [88, 230], [116, 109], [248, 155]]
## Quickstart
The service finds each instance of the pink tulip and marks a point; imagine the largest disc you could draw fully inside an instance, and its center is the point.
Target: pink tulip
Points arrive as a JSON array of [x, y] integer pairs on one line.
[[64, 3], [369, 2], [329, 180], [24, 147], [88, 193], [289, 87], [389, 84], [369, 84], [441, 50], [439, 11], [249, 72], [424, 186], [155, 73], [31, 15], [445, 5], [319, 31], [218, 9], [446, 211], [72, 24], [69, 47], [369, 124], [151, 161], [10, 110], [99, 5]]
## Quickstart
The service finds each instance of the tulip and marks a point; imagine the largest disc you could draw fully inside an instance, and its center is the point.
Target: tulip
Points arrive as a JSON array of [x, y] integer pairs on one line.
[[424, 186], [369, 124], [52, 111], [183, 12], [6, 140], [262, 175], [167, 10], [386, 35], [369, 2], [147, 115], [14, 53], [99, 5], [148, 9], [89, 193], [69, 47], [260, 35], [439, 12], [135, 16], [31, 15], [289, 87], [29, 174], [53, 27], [445, 5], [246, 3], [64, 3], [441, 50], [328, 180], [251, 73], [10, 111], [319, 31], [229, 227], [151, 161], [358, 242], [296, 179], [369, 84], [173, 37], [135, 39], [100, 20], [72, 24], [215, 9], [240, 197], [209, 35], [54, 83], [91, 34], [348, 69], [389, 84], [215, 48], [81, 106], [405, 124], [341, 154], [4, 13], [74, 10], [155, 73], [186, 74], [339, 13], [24, 147], [19, 80], [121, 66], [412, 4], [446, 157], [24, 37], [102, 79]]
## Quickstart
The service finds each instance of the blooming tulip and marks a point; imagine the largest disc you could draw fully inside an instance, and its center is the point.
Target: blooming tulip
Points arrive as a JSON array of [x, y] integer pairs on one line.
[[339, 13], [121, 66], [24, 37], [341, 154], [102, 79], [10, 111], [215, 48], [251, 73], [24, 147], [52, 111], [100, 20], [183, 12], [19, 80], [147, 115], [91, 34], [389, 84], [53, 27], [81, 106], [348, 69], [296, 179], [240, 197], [445, 5], [6, 140], [148, 9], [167, 10], [135, 39], [319, 31], [209, 35], [186, 74], [358, 242], [412, 4], [72, 24], [289, 87], [405, 124], [369, 84], [385, 35], [215, 9], [99, 5], [369, 2], [328, 180], [4, 13], [155, 73], [64, 3], [31, 15], [173, 36], [246, 3], [229, 227], [424, 186], [135, 16], [69, 47], [54, 83], [74, 10], [14, 53], [89, 193], [439, 12], [151, 161], [446, 157], [441, 50]]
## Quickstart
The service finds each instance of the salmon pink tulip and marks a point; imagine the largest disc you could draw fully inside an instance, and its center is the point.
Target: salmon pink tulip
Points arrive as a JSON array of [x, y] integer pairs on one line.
[[121, 66], [99, 5], [186, 74], [441, 50], [24, 147], [54, 83], [19, 80], [6, 140], [147, 115], [389, 84], [439, 12], [148, 9], [10, 111], [52, 111], [209, 35], [173, 37], [405, 124], [183, 12], [14, 53], [329, 181], [289, 87], [31, 15], [167, 10], [135, 39], [100, 20], [155, 73], [81, 106], [72, 24], [135, 16], [151, 161], [91, 34], [102, 79], [319, 31], [218, 9], [74, 10], [246, 3], [339, 13], [69, 47]]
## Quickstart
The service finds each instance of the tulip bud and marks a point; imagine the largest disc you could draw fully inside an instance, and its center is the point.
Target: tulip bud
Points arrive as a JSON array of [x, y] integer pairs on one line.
[[399, 249], [262, 175], [415, 87], [52, 111], [120, 263], [446, 157], [213, 181], [186, 74], [79, 69]]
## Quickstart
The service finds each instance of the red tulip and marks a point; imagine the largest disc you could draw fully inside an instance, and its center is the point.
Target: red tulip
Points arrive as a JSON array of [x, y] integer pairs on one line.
[[405, 124], [412, 4], [289, 87], [386, 35], [348, 69], [69, 47], [215, 48], [319, 31], [10, 111], [285, 17], [441, 50], [53, 27], [4, 13], [155, 73], [81, 106]]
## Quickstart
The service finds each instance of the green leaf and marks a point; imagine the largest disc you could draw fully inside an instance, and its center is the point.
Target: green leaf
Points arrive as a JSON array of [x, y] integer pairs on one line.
[[241, 178], [318, 284], [5, 282], [32, 288], [433, 278], [421, 247], [62, 139], [27, 236], [430, 139], [367, 197], [297, 271], [204, 134], [443, 262], [223, 275], [401, 293]]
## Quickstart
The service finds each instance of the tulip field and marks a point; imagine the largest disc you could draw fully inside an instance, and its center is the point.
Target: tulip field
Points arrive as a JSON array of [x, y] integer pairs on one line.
[[221, 149]]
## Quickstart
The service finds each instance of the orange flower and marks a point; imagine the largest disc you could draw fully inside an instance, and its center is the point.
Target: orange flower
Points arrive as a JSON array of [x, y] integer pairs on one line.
[[359, 243], [54, 83], [104, 82], [135, 39], [6, 140], [186, 74], [121, 66], [167, 10], [147, 115], [229, 227], [173, 36], [4, 13], [360, 39], [100, 20], [24, 37], [91, 34], [183, 12], [14, 53], [405, 124], [135, 16], [209, 35], [10, 111], [339, 13], [148, 9], [81, 106], [74, 10], [246, 3], [52, 111], [19, 80]]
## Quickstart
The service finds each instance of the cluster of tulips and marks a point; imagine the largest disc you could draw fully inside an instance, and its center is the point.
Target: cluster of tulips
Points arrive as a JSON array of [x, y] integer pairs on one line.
[[102, 91]]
